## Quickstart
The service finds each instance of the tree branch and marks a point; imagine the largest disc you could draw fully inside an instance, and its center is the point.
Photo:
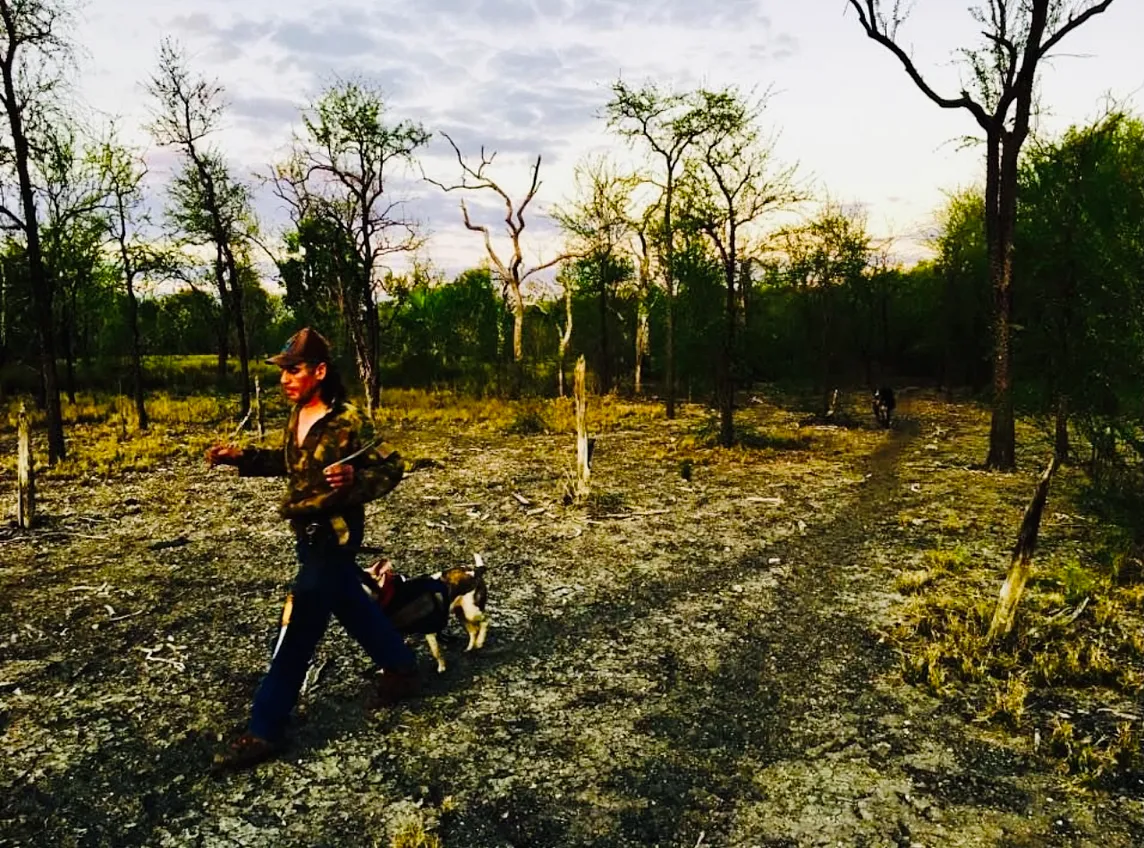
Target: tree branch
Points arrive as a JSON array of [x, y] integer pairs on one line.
[[869, 21], [1072, 23]]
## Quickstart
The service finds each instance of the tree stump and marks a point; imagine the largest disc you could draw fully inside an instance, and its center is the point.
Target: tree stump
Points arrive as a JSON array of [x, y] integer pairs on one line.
[[25, 473], [258, 416], [1021, 564], [583, 449]]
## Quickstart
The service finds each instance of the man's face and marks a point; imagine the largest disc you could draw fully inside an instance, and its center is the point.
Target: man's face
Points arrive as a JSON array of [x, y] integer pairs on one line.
[[301, 381]]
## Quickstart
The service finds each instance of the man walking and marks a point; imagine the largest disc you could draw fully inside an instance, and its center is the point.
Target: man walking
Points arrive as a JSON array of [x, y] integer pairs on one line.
[[331, 472]]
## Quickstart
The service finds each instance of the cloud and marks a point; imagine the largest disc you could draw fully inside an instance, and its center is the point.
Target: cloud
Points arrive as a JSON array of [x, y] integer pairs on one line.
[[264, 114], [327, 39]]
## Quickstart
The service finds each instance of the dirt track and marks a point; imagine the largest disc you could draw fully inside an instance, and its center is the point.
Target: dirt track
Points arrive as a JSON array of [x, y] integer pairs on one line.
[[694, 663]]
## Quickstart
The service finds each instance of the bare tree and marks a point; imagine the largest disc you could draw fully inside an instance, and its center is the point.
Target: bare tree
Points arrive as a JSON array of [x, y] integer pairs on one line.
[[511, 273], [32, 54], [734, 183], [1018, 35], [598, 224], [208, 204], [339, 175]]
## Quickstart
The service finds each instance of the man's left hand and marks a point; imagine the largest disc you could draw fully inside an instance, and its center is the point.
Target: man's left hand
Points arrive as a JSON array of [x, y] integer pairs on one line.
[[339, 476]]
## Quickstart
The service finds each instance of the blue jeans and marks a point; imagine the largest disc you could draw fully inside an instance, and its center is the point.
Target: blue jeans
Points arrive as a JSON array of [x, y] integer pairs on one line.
[[327, 584]]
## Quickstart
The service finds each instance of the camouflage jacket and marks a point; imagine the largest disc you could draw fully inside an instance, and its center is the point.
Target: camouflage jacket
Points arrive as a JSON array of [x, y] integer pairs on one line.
[[336, 435]]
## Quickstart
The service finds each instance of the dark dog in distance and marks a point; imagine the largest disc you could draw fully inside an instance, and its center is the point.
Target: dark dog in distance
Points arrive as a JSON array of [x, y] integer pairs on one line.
[[884, 405]]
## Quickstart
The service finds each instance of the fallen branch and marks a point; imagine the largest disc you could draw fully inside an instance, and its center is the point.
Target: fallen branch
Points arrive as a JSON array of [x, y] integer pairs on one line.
[[1078, 611], [620, 516], [313, 674], [1118, 714]]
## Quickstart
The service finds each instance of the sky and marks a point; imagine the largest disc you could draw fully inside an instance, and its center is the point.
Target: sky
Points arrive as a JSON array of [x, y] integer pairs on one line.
[[530, 77]]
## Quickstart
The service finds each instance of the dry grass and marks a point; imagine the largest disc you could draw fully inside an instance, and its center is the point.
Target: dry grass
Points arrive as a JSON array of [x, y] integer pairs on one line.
[[1079, 637], [1078, 643], [412, 833]]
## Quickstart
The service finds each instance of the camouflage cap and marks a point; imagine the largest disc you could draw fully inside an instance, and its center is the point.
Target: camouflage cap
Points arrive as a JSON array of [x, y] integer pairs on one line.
[[306, 345]]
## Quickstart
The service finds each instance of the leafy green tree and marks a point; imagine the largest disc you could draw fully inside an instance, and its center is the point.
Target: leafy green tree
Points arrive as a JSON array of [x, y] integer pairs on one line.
[[73, 199], [124, 172], [34, 57], [337, 185], [963, 265], [598, 225], [1078, 260], [825, 255]]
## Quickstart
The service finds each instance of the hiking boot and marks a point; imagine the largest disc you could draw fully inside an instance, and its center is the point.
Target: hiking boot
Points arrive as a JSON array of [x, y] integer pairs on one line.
[[394, 685], [246, 752]]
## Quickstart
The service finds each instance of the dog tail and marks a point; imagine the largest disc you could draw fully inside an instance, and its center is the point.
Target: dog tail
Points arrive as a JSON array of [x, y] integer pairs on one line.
[[480, 568]]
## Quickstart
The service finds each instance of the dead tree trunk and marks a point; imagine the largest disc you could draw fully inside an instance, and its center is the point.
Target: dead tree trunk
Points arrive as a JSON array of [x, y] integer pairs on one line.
[[1021, 564], [565, 338], [259, 417], [643, 333], [25, 474], [643, 336], [223, 329], [583, 458]]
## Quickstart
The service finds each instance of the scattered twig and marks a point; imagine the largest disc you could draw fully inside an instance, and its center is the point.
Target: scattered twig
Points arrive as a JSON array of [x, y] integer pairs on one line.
[[126, 616], [149, 654], [101, 589], [1119, 714], [620, 516], [770, 501], [167, 660], [1078, 611], [169, 543], [521, 499], [241, 425]]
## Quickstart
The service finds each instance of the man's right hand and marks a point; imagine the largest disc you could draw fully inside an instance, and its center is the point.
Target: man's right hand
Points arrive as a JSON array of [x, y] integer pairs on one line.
[[223, 455]]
